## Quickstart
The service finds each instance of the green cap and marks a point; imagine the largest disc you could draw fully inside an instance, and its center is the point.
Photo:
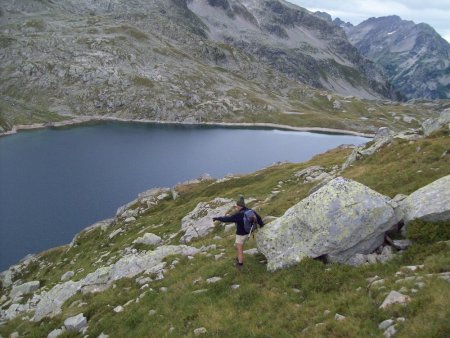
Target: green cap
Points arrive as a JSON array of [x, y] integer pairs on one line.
[[241, 201]]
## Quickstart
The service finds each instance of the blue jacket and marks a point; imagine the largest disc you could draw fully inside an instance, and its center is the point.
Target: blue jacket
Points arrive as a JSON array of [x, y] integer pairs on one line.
[[238, 218]]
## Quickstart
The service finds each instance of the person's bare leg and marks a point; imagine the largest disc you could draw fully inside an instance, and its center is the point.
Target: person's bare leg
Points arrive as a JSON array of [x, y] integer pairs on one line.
[[240, 252]]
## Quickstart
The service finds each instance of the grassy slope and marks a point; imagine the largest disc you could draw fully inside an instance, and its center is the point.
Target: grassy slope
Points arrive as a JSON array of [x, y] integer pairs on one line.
[[280, 304]]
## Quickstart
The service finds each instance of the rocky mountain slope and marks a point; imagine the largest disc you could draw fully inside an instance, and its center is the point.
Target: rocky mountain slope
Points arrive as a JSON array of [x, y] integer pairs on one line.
[[162, 267], [414, 56], [174, 60]]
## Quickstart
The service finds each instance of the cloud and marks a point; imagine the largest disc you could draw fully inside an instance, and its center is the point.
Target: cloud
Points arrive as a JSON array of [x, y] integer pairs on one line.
[[436, 13]]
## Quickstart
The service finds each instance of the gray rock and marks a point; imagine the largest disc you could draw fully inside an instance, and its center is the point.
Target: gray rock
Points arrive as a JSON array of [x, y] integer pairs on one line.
[[199, 223], [150, 262], [340, 220], [213, 280], [76, 323], [118, 309], [149, 239], [14, 335], [152, 312], [251, 252], [391, 331], [432, 125], [394, 297], [115, 233], [199, 331], [102, 335], [130, 220], [56, 332], [430, 203], [229, 227], [339, 317], [24, 289], [383, 137], [402, 244], [68, 275], [385, 324], [358, 259]]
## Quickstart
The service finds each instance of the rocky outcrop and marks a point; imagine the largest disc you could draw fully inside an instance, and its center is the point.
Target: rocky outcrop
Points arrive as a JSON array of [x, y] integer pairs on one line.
[[430, 203], [48, 303], [340, 220], [383, 137], [431, 125], [199, 223]]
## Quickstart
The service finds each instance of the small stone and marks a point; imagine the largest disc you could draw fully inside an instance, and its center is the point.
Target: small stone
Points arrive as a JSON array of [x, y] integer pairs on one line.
[[199, 331], [339, 317], [402, 244], [385, 324], [235, 286], [251, 252], [394, 297], [130, 220], [372, 279], [115, 233], [213, 280], [413, 267], [152, 312], [68, 275], [390, 331], [102, 335], [163, 289], [326, 312], [76, 323], [219, 256], [420, 285], [401, 319], [378, 282], [196, 292], [14, 335], [118, 309], [296, 290], [56, 332]]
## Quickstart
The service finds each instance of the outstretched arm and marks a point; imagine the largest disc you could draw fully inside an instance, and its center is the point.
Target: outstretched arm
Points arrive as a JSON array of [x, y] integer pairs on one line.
[[227, 219]]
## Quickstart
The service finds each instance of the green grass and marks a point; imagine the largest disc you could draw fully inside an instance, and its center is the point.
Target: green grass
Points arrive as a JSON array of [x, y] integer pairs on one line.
[[285, 303]]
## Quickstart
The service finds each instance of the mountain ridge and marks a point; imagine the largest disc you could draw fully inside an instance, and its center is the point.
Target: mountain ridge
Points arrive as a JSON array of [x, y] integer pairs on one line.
[[414, 56], [160, 60]]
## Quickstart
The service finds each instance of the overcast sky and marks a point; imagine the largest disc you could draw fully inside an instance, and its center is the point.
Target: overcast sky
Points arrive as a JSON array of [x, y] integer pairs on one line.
[[436, 13]]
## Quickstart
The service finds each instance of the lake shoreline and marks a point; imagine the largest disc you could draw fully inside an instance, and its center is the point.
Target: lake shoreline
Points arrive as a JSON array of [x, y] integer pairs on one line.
[[80, 120]]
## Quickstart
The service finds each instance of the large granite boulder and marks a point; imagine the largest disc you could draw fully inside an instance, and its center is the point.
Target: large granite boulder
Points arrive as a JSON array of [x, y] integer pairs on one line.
[[430, 203], [199, 223], [340, 220]]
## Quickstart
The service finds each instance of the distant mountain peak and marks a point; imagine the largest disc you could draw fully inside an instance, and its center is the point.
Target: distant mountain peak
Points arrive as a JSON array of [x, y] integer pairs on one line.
[[414, 56]]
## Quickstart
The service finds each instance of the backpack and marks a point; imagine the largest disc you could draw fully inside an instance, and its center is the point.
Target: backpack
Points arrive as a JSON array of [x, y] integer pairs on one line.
[[250, 221]]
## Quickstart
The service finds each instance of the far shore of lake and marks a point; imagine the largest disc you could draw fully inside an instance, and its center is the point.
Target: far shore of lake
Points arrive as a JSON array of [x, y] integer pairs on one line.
[[79, 120]]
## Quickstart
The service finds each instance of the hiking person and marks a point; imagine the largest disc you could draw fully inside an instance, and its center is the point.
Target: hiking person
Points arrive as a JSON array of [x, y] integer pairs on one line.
[[241, 218]]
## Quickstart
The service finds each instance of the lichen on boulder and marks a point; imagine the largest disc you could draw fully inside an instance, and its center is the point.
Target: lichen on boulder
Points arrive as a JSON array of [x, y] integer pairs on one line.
[[340, 220]]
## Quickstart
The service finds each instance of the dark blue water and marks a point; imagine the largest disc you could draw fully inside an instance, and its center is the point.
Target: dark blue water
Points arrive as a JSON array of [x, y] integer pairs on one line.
[[55, 182]]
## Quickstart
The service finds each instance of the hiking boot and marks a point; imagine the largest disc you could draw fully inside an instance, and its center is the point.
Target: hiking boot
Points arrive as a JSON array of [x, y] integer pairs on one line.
[[238, 265]]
